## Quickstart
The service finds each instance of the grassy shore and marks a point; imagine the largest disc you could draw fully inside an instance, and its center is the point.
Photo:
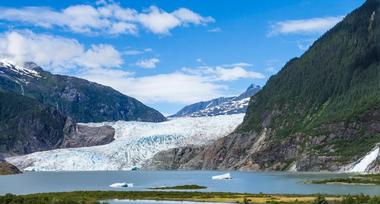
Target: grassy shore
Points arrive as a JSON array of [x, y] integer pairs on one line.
[[367, 179], [181, 187], [92, 197]]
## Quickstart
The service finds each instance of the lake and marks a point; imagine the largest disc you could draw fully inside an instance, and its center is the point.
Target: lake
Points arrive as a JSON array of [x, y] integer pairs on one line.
[[244, 182]]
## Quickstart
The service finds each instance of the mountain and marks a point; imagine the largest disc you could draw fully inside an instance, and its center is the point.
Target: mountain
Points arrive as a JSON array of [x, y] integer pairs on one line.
[[28, 126], [219, 106], [81, 100], [320, 112]]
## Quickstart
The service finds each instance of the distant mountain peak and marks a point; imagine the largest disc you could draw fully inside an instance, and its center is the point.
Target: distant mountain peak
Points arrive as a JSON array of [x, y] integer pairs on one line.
[[27, 69], [220, 106]]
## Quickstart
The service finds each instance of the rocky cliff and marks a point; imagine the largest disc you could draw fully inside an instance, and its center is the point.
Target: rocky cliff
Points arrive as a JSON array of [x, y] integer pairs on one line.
[[320, 112], [28, 126]]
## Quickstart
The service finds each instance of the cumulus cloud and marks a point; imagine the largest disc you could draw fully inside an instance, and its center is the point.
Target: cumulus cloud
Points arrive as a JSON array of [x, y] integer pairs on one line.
[[225, 72], [184, 86], [56, 53], [109, 18], [103, 64], [148, 63], [304, 26], [173, 87]]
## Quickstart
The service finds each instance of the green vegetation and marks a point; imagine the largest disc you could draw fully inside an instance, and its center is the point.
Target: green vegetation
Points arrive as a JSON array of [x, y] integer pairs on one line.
[[360, 199], [320, 200], [94, 197], [182, 187], [97, 197], [370, 179], [337, 81]]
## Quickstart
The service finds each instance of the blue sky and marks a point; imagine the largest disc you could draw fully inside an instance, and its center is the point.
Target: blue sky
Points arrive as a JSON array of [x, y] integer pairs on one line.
[[166, 53]]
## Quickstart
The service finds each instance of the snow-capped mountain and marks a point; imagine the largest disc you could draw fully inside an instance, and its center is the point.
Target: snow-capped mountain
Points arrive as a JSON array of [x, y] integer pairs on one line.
[[27, 70], [220, 106], [135, 143]]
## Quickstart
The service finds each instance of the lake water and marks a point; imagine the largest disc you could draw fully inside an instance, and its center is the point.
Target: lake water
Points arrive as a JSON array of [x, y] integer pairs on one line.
[[244, 182]]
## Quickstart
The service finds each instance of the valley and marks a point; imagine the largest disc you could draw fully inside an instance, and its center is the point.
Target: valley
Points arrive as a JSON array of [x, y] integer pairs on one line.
[[263, 102]]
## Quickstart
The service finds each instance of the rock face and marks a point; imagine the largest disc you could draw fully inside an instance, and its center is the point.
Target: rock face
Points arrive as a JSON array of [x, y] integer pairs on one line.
[[7, 168], [175, 158], [220, 106], [81, 100], [28, 126], [320, 112], [84, 136]]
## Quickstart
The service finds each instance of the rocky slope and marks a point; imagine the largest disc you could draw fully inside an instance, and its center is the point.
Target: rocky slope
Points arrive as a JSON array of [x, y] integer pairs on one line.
[[7, 168], [320, 112], [28, 126], [79, 99], [220, 106]]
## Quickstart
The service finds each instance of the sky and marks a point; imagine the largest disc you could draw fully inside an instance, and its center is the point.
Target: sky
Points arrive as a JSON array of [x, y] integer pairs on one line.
[[166, 53]]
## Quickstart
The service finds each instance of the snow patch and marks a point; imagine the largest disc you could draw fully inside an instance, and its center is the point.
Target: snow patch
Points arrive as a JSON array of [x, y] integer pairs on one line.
[[135, 143], [228, 107], [293, 167], [364, 164], [19, 69]]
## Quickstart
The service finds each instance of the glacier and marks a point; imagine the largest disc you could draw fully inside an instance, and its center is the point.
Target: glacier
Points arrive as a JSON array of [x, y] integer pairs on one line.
[[135, 143]]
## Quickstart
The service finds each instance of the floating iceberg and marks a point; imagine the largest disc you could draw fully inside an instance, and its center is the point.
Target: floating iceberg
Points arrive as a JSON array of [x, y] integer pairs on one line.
[[223, 176], [121, 185]]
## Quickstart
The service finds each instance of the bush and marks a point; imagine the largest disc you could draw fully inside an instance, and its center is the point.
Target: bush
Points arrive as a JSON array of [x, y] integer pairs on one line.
[[320, 200]]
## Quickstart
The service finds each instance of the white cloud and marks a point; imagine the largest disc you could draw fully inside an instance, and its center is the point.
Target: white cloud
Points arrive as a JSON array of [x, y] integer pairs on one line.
[[214, 30], [56, 53], [158, 21], [173, 87], [185, 86], [102, 63], [187, 16], [109, 18], [235, 73], [137, 51], [239, 64], [225, 72], [305, 26], [148, 63]]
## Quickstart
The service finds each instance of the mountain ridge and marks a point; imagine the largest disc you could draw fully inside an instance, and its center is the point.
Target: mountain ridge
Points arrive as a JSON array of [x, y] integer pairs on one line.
[[82, 100], [219, 106]]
